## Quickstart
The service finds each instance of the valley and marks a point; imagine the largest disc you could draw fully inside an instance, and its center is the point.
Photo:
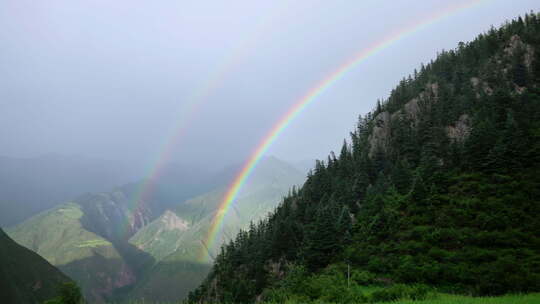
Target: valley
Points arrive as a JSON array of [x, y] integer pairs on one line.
[[117, 246]]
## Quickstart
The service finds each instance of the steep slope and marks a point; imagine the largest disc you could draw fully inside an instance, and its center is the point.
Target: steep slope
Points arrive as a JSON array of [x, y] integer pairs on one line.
[[25, 277], [61, 238], [439, 186], [176, 238], [118, 214]]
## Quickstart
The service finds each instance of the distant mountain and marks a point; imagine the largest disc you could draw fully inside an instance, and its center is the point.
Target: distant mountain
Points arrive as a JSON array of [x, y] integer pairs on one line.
[[26, 277], [31, 185], [439, 185], [304, 165], [176, 182], [175, 239]]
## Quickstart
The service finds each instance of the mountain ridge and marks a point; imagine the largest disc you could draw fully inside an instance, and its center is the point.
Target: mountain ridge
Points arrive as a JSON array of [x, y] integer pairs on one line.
[[26, 277], [427, 191], [91, 238]]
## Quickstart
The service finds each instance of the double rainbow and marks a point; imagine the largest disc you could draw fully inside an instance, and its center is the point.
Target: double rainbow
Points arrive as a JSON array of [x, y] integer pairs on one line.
[[188, 112], [304, 102]]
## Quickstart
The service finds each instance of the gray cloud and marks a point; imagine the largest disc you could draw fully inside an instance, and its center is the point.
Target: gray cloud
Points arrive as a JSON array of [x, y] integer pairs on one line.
[[111, 79]]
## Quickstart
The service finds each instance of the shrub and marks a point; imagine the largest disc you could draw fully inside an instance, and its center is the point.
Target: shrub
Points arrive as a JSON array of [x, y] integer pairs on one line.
[[401, 291], [69, 293], [363, 277], [334, 289]]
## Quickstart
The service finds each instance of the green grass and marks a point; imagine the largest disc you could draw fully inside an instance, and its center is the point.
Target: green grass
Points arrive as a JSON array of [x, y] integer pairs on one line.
[[94, 243], [532, 298], [70, 211]]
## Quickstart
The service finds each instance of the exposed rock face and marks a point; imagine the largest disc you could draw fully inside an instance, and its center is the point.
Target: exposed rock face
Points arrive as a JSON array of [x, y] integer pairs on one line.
[[173, 222], [412, 107], [380, 134], [515, 45], [113, 215], [381, 131], [434, 89], [461, 128], [479, 86], [139, 218], [163, 236], [277, 269]]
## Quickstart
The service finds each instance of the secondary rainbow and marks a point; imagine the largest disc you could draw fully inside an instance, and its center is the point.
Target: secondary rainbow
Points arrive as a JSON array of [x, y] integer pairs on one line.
[[304, 102], [188, 112]]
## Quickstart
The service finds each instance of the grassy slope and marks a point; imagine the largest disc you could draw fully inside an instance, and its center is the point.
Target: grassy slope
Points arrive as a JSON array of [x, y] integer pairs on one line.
[[59, 237], [454, 299]]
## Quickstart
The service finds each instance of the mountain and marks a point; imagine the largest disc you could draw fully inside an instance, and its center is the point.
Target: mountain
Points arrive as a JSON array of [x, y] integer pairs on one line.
[[304, 165], [176, 239], [189, 220], [31, 185], [110, 242], [438, 187], [25, 277], [86, 239]]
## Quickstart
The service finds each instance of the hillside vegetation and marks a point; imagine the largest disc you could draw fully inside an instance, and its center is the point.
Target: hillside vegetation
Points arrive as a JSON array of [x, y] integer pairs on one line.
[[60, 237], [25, 277], [439, 187]]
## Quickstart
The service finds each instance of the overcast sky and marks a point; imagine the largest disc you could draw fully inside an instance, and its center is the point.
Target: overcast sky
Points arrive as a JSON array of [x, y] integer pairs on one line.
[[116, 79]]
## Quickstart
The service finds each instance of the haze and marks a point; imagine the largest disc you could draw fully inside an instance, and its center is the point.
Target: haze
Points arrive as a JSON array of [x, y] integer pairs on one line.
[[117, 79]]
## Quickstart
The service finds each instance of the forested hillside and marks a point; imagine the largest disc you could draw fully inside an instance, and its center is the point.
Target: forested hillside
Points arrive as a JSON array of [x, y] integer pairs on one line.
[[439, 185]]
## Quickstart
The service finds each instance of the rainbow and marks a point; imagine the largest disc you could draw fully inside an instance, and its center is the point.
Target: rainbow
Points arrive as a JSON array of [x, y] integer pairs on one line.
[[193, 105], [303, 103]]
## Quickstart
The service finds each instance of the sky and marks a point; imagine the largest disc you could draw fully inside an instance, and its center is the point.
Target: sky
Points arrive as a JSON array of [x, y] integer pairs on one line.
[[206, 80]]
